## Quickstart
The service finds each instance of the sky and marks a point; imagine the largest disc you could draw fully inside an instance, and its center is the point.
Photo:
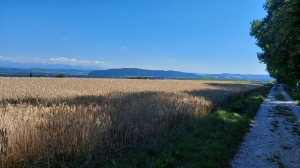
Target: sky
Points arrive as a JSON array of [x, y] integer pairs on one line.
[[189, 36]]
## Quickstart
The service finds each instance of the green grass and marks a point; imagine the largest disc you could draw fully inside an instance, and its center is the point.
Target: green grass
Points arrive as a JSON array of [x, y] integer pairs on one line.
[[294, 95], [210, 141]]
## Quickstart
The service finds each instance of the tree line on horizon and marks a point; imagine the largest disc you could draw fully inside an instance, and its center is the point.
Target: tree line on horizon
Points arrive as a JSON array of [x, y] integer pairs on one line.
[[278, 35]]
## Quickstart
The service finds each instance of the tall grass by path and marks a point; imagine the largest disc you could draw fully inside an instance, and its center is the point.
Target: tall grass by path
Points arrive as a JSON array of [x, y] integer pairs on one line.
[[293, 94], [209, 141]]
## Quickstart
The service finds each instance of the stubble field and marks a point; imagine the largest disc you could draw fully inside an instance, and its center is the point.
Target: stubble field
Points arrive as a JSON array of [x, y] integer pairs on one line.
[[52, 122]]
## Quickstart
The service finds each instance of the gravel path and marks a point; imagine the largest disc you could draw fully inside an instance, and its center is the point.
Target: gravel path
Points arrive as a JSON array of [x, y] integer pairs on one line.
[[274, 139]]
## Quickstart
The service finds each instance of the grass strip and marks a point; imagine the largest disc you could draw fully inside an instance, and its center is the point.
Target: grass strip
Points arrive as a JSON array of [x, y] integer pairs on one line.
[[210, 141], [293, 94]]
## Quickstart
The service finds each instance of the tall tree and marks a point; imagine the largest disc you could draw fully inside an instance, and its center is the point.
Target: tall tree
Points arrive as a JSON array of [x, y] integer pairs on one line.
[[278, 35]]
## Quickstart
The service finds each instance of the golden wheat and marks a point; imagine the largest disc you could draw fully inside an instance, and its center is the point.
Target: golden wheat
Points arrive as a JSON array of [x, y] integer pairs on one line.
[[47, 121]]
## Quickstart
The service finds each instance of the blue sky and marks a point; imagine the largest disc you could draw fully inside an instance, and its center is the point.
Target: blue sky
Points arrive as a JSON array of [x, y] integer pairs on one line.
[[189, 36]]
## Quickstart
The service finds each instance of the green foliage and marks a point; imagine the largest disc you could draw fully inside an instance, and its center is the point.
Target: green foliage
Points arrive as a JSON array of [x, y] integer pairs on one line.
[[237, 106], [164, 163], [60, 76], [277, 35]]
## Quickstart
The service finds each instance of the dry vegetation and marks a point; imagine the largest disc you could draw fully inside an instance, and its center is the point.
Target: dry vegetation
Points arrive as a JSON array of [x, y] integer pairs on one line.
[[52, 122]]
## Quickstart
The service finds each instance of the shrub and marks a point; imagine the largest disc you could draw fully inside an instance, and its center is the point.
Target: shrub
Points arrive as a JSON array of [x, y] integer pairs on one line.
[[60, 76]]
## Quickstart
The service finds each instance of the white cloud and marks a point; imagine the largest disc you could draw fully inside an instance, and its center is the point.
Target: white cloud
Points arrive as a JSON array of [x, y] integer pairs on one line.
[[61, 60], [64, 39], [74, 61], [99, 62], [124, 48]]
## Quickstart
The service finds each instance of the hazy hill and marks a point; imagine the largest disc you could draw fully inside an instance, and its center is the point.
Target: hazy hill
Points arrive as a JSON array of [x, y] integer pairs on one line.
[[227, 76], [134, 72]]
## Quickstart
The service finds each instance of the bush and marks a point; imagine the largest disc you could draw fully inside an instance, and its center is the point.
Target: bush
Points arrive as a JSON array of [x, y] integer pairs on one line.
[[60, 76]]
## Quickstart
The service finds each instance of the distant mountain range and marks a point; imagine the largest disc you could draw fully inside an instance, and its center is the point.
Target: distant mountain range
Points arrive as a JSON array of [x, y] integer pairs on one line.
[[154, 74], [134, 72], [127, 73]]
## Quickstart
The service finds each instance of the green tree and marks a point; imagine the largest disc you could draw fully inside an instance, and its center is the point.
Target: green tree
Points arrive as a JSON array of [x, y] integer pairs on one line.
[[278, 35], [60, 76]]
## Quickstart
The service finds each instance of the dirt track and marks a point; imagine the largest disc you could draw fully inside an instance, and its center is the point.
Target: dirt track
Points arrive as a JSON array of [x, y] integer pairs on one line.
[[274, 139]]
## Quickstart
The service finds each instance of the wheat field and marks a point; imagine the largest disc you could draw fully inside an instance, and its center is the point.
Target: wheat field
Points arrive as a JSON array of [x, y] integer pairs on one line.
[[52, 122]]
